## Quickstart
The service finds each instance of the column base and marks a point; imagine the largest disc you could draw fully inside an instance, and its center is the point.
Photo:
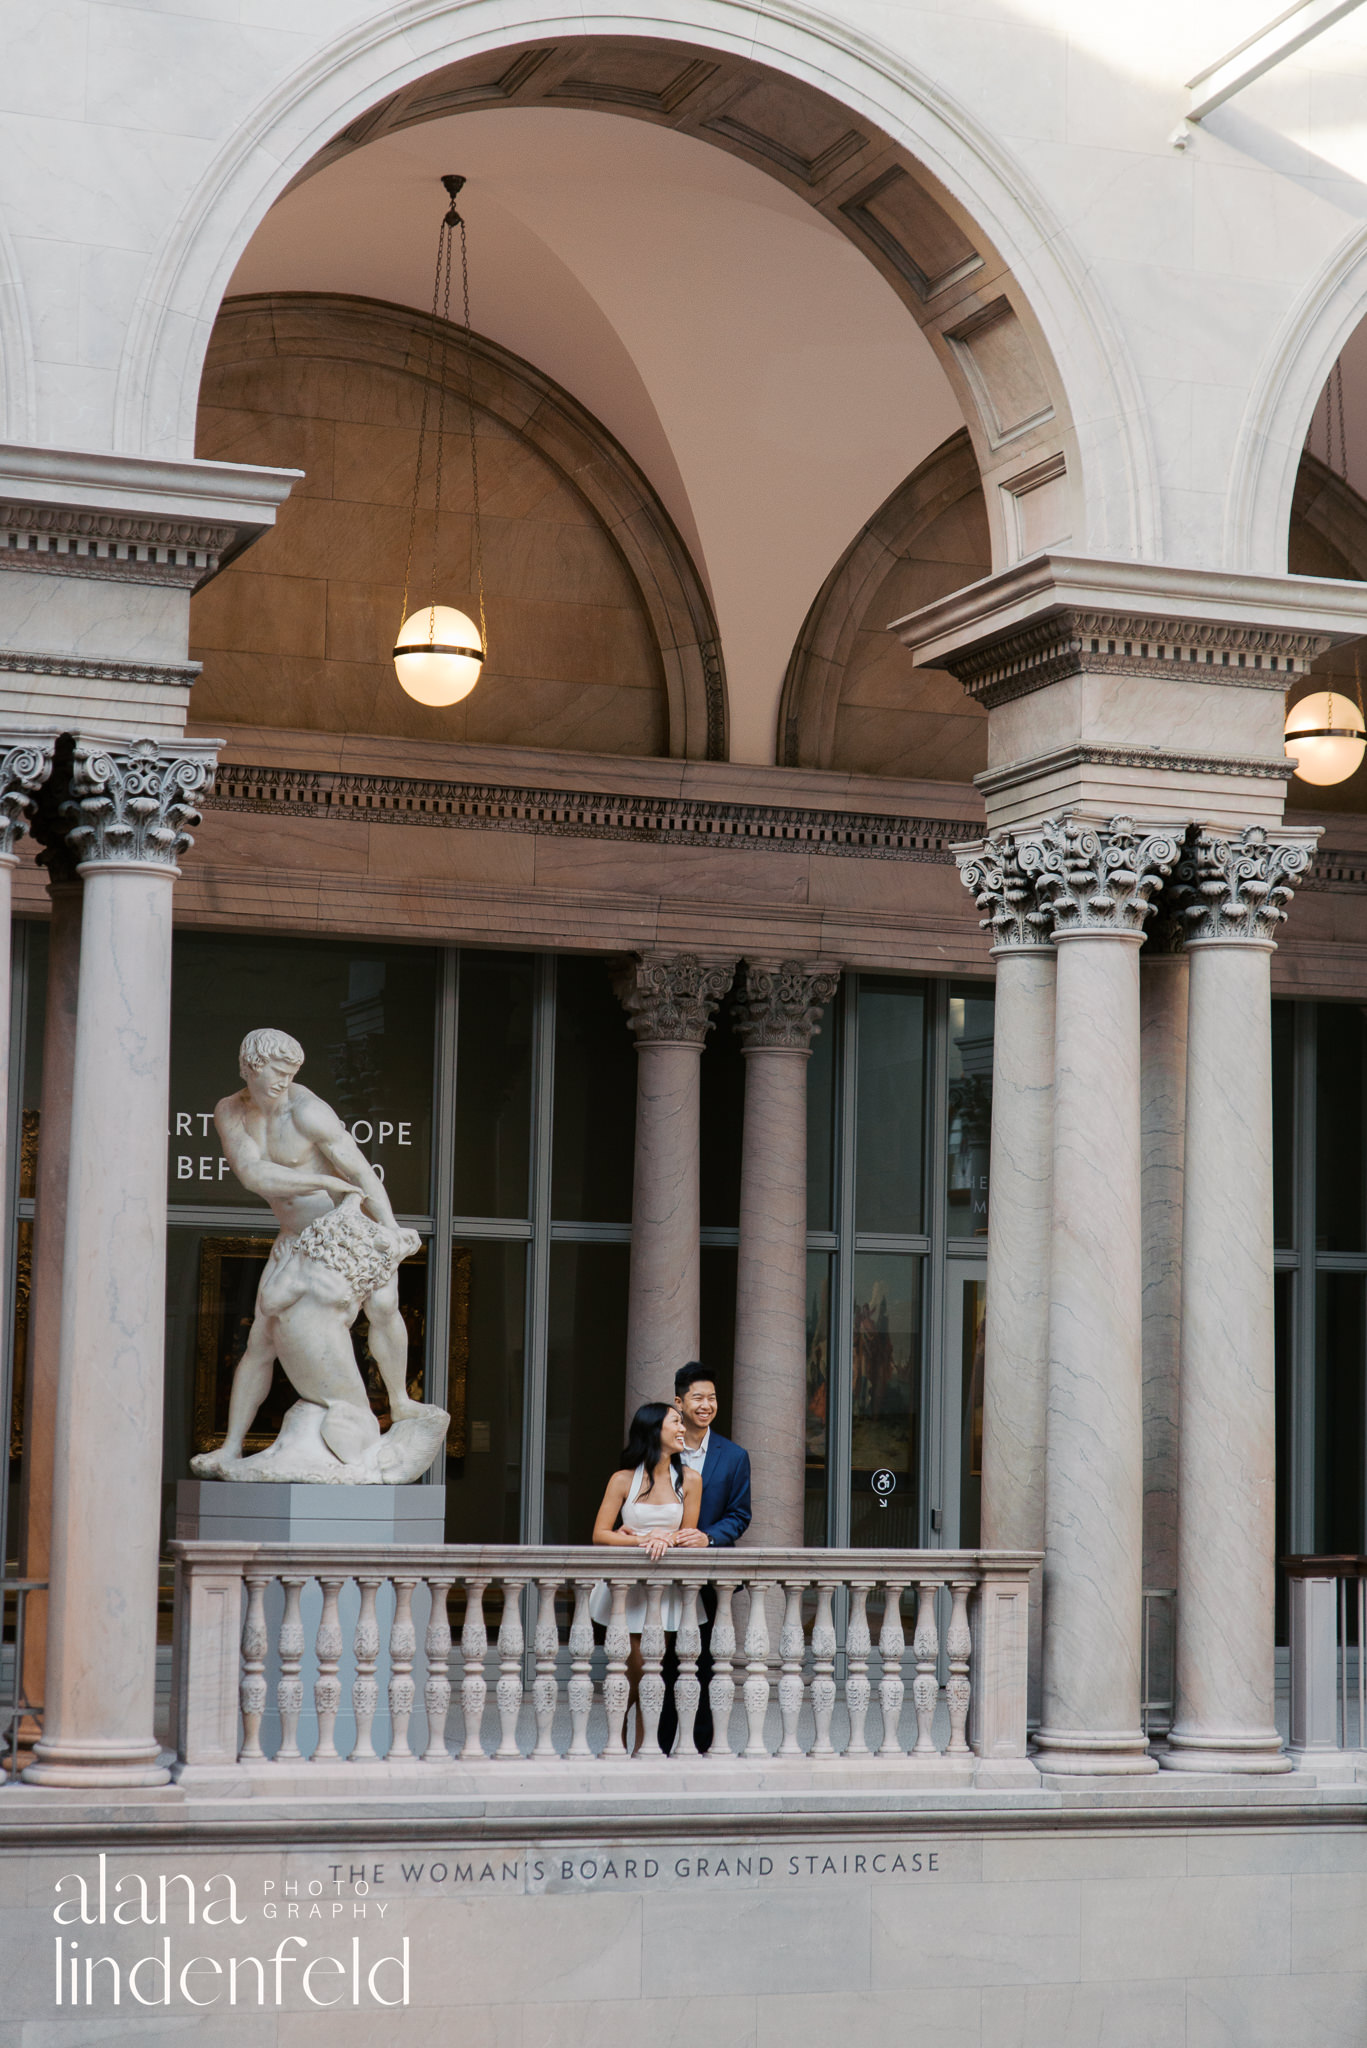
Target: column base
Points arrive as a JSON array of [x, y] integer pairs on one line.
[[1259, 1755], [79, 1765], [1077, 1753]]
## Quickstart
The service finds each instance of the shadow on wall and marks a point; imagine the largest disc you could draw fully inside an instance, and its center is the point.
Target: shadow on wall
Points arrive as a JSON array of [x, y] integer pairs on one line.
[[601, 636], [852, 699]]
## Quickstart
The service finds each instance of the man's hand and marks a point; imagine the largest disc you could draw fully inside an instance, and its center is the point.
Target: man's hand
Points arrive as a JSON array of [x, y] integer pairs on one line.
[[691, 1539]]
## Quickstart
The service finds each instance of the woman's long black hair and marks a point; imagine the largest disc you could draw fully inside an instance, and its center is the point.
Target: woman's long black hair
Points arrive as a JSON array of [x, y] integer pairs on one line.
[[643, 1444]]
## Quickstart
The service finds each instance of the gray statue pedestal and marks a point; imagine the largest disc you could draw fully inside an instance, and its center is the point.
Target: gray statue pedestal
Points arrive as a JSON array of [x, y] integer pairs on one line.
[[252, 1511]]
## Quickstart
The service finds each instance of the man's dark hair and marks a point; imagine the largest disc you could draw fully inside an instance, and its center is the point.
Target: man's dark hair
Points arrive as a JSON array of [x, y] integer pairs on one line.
[[688, 1374]]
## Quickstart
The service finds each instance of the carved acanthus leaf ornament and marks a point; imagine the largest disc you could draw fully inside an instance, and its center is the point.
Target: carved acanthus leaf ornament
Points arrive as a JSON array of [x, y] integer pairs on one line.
[[1097, 876], [670, 999], [134, 802], [25, 765], [779, 1004], [1010, 907], [1237, 889]]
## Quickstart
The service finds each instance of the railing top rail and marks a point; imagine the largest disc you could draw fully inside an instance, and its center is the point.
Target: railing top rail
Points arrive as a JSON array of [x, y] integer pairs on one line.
[[603, 1561], [1330, 1567]]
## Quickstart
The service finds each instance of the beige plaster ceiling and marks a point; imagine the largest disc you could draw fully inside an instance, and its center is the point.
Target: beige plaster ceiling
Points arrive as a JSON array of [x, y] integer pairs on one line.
[[763, 373]]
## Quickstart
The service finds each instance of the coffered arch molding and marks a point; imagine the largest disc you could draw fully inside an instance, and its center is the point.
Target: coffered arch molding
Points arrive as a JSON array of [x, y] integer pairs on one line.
[[817, 671], [540, 412], [949, 218]]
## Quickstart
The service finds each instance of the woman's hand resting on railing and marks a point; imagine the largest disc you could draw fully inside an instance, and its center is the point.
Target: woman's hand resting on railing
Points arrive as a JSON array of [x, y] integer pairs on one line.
[[655, 1542]]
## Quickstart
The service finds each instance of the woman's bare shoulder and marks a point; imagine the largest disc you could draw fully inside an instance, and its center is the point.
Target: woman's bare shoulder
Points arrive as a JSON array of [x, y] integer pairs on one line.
[[692, 1480]]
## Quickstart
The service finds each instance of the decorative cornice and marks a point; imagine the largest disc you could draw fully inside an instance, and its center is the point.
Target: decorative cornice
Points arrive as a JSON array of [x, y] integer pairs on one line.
[[1261, 767], [1008, 898], [779, 1003], [1073, 642], [577, 814], [61, 540], [163, 674], [1236, 890], [671, 998], [25, 765], [133, 802], [1097, 877]]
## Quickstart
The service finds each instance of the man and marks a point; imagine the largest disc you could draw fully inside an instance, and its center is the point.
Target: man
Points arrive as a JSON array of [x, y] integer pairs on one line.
[[723, 1518], [339, 1246]]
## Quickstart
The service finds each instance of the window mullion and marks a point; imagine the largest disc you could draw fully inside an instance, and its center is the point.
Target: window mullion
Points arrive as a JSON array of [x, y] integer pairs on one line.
[[443, 1188], [539, 1255]]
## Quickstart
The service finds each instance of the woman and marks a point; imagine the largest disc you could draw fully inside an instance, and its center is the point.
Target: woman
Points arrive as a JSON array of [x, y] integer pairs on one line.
[[653, 1497]]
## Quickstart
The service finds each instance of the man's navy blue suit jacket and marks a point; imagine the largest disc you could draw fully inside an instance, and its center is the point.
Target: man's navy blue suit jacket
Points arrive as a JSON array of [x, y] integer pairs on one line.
[[724, 1515]]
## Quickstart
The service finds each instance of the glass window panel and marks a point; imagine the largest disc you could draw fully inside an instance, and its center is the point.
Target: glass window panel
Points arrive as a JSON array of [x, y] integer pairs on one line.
[[365, 1016], [969, 1108], [717, 1324], [890, 1116], [1283, 1298], [1339, 1437], [585, 1383], [211, 1283], [822, 1068], [18, 1390], [493, 1085], [34, 937], [974, 1324], [819, 1265], [484, 1392], [595, 1099], [885, 1377], [722, 1110], [1340, 1153], [1284, 1124]]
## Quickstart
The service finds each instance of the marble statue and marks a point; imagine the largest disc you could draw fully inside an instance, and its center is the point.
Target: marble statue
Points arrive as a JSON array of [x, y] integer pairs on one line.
[[339, 1250]]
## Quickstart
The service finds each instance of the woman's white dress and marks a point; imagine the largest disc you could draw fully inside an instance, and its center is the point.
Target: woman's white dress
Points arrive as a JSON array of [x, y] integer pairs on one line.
[[642, 1518]]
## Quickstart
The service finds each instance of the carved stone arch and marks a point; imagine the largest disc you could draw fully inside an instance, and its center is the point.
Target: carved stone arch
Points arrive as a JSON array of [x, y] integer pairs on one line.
[[926, 540], [1328, 524], [580, 451]]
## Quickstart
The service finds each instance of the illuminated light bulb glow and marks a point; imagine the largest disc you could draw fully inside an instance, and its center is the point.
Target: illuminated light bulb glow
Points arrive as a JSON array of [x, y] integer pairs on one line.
[[438, 656], [1326, 738]]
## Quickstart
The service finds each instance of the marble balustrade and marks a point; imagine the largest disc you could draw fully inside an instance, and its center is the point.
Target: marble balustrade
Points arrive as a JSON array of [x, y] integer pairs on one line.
[[862, 1633]]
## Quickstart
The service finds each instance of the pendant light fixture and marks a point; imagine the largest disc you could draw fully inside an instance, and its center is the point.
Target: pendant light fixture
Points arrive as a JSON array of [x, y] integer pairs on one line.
[[1326, 733], [440, 652]]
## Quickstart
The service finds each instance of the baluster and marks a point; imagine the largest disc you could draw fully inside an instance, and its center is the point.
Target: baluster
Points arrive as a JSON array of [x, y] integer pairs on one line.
[[857, 1646], [327, 1686], [436, 1692], [365, 1693], [925, 1687], [959, 1643], [756, 1672], [403, 1648], [581, 1677], [290, 1691], [687, 1689], [721, 1693], [253, 1684], [474, 1690], [651, 1692], [509, 1688], [790, 1649], [616, 1684], [892, 1691], [823, 1668], [545, 1687]]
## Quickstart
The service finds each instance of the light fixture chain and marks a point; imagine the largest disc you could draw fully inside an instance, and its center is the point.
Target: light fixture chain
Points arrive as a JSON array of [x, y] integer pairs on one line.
[[474, 448], [422, 442], [444, 282]]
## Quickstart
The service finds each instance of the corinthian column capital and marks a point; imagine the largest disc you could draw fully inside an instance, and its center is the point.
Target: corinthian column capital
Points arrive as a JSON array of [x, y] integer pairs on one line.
[[1235, 890], [25, 764], [671, 998], [780, 1002], [131, 802], [1010, 903], [1098, 876]]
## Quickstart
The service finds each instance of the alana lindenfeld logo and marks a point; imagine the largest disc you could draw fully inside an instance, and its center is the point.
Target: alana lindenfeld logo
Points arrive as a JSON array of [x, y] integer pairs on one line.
[[200, 1962]]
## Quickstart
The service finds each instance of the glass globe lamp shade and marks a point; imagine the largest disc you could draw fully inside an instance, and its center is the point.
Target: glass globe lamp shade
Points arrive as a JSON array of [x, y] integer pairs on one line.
[[1325, 738], [438, 656]]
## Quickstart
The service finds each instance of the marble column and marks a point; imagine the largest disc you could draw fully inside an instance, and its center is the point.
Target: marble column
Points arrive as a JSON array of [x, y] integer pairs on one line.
[[776, 1015], [670, 1001], [1163, 970], [64, 888], [127, 813], [1016, 1340], [1098, 880], [1232, 893]]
